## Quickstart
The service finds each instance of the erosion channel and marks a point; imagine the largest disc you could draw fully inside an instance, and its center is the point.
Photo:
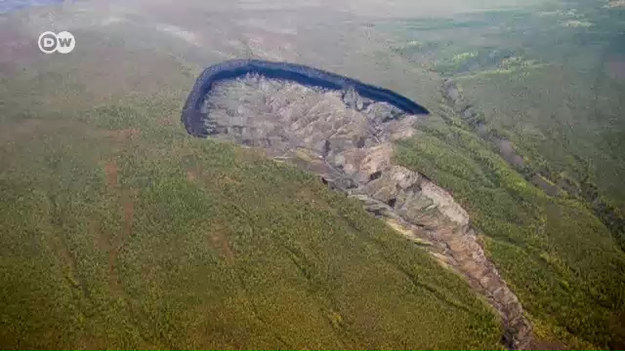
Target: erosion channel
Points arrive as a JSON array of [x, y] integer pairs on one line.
[[344, 130]]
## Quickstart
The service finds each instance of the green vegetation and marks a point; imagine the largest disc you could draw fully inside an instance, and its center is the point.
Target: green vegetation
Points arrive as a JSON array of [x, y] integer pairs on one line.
[[554, 90], [548, 79], [558, 139], [120, 231], [559, 258]]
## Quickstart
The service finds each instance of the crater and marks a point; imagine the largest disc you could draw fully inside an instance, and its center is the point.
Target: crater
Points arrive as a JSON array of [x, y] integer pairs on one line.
[[344, 134]]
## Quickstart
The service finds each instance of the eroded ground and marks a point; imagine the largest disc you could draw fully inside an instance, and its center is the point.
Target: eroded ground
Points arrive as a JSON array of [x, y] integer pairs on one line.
[[348, 141], [109, 114]]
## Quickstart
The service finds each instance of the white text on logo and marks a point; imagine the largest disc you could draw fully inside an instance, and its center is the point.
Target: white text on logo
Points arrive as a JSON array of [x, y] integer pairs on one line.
[[50, 42]]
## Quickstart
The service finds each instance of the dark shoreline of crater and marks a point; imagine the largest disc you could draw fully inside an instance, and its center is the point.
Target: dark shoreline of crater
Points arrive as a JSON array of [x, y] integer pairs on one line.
[[195, 121]]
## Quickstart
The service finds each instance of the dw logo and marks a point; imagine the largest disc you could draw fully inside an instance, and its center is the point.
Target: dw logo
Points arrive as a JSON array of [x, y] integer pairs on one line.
[[49, 42]]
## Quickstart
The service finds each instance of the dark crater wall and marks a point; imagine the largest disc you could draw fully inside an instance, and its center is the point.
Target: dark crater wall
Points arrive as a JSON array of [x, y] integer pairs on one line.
[[195, 121]]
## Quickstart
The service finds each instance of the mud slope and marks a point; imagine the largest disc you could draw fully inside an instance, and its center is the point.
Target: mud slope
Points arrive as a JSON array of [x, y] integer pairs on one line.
[[345, 136]]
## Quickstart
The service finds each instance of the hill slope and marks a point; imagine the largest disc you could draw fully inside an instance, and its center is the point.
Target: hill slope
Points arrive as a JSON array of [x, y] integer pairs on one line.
[[120, 230]]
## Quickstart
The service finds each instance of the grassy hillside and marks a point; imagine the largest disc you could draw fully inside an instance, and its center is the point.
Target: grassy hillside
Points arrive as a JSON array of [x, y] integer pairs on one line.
[[118, 230], [557, 256], [549, 79]]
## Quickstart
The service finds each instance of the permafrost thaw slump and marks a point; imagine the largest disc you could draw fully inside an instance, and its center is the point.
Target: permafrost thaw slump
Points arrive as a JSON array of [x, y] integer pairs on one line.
[[346, 138]]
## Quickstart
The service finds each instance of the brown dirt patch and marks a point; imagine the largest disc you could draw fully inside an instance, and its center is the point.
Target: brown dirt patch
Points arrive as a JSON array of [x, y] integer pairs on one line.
[[110, 242], [110, 169], [127, 202], [128, 205], [104, 242], [192, 175]]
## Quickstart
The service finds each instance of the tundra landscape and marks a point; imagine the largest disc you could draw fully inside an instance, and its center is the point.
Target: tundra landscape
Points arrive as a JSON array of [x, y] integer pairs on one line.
[[309, 215]]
